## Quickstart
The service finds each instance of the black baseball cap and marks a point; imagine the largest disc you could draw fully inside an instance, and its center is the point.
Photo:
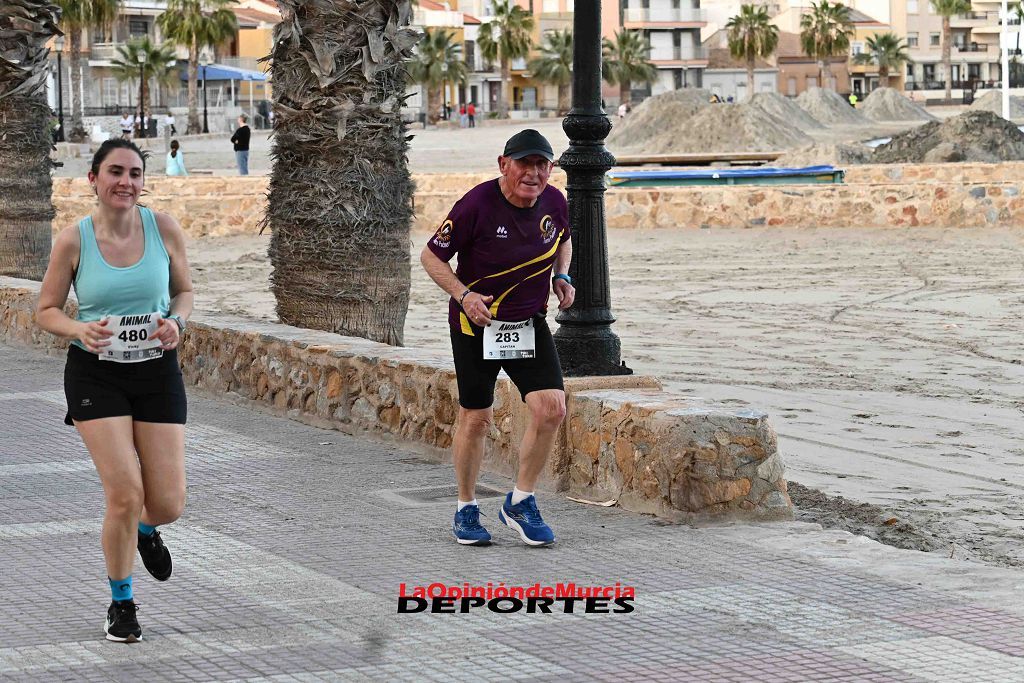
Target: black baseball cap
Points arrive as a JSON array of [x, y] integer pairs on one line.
[[527, 142]]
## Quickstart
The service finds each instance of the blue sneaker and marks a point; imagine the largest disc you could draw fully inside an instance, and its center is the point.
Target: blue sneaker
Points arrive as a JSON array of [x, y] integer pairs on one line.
[[467, 527], [525, 518]]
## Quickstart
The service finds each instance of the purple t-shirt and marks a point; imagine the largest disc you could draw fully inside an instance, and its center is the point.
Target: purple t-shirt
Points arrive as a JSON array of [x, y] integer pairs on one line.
[[504, 251]]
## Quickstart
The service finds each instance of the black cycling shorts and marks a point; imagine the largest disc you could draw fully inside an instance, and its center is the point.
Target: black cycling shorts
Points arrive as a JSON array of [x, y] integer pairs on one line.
[[149, 391], [476, 376]]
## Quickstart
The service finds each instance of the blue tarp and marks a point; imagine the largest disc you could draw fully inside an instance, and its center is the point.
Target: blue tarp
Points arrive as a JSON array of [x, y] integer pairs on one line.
[[763, 172], [220, 72]]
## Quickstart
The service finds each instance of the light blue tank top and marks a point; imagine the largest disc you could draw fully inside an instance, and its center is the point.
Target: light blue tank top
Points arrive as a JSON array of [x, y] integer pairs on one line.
[[103, 289]]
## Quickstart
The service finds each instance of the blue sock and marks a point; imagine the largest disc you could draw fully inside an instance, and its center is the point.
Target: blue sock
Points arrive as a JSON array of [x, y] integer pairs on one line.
[[146, 530], [121, 589]]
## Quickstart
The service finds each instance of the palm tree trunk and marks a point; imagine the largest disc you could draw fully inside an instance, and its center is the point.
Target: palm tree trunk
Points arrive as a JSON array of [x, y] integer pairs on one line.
[[564, 99], [506, 81], [625, 90], [750, 77], [822, 70], [193, 89], [341, 262], [26, 211], [883, 76], [76, 132], [946, 62], [434, 103]]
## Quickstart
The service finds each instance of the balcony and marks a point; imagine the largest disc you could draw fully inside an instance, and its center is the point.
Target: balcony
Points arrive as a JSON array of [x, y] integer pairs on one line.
[[678, 54], [105, 51], [971, 47], [639, 17]]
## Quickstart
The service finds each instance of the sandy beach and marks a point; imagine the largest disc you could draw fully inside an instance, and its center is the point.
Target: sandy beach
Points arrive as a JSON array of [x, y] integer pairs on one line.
[[889, 360]]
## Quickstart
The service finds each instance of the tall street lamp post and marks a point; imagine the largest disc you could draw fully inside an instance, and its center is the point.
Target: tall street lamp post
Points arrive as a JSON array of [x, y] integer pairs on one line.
[[585, 341], [206, 122], [141, 56], [58, 44]]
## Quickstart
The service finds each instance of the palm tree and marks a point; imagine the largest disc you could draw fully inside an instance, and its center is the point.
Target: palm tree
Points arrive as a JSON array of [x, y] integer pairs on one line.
[[437, 60], [825, 33], [752, 35], [626, 62], [888, 52], [158, 65], [196, 24], [506, 38], [554, 65], [947, 9], [76, 16], [26, 211], [340, 200]]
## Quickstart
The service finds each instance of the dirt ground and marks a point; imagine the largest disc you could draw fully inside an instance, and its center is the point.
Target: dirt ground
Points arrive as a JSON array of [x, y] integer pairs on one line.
[[888, 359]]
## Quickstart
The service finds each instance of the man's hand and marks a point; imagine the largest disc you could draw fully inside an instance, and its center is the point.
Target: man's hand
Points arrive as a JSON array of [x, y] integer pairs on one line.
[[565, 292], [475, 306]]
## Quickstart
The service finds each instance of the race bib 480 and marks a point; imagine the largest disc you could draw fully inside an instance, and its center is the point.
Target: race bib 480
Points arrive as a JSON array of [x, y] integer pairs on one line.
[[134, 338]]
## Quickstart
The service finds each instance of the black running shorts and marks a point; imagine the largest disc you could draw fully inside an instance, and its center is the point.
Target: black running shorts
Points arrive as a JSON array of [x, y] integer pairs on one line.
[[476, 376], [149, 391]]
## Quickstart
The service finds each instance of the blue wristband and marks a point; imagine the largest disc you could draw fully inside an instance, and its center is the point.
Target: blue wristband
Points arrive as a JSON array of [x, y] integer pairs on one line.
[[562, 276]]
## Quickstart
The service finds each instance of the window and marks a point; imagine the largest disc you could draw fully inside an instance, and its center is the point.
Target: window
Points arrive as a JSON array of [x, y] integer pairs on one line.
[[911, 40], [110, 92], [910, 72], [911, 6], [856, 47], [100, 35], [791, 86], [934, 39], [469, 54], [138, 27], [929, 72]]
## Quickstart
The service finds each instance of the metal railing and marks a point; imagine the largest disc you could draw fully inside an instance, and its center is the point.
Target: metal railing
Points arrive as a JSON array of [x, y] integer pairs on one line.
[[672, 15], [972, 47], [677, 54]]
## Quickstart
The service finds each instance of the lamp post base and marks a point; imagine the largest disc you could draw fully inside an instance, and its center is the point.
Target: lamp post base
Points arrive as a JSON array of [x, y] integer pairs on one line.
[[589, 350]]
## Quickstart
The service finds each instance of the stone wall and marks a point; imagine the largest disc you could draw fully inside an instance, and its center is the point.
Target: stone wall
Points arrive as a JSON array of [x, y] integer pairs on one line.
[[937, 195], [681, 458]]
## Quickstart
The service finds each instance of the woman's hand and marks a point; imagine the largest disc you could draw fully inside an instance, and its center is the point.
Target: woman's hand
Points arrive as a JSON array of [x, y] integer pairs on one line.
[[167, 333], [94, 335]]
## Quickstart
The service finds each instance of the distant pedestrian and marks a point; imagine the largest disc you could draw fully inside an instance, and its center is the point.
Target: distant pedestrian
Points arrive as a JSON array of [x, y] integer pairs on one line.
[[853, 100], [463, 116], [175, 160], [241, 142], [169, 123], [471, 113], [622, 111], [126, 126]]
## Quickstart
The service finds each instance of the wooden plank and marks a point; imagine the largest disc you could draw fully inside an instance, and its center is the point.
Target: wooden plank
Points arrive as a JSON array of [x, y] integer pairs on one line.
[[745, 158]]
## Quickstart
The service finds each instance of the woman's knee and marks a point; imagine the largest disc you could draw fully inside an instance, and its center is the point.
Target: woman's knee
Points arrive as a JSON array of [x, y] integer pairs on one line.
[[125, 500], [166, 508]]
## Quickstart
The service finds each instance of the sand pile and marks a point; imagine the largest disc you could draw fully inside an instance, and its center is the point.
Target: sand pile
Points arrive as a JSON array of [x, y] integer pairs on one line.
[[887, 104], [684, 121], [785, 109], [971, 136], [825, 155], [654, 115], [728, 128], [993, 101], [829, 107]]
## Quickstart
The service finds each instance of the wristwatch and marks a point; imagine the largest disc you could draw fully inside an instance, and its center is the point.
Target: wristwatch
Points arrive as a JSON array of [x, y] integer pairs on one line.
[[177, 319]]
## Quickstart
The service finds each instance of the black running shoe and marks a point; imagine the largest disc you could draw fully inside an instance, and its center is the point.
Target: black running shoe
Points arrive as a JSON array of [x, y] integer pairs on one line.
[[155, 556], [121, 625]]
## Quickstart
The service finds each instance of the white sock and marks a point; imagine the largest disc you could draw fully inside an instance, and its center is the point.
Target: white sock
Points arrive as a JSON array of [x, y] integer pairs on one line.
[[463, 504], [519, 496]]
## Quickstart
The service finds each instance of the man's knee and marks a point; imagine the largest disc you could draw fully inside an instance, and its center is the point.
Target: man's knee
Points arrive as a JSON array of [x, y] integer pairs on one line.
[[166, 509], [475, 423], [126, 500], [547, 408]]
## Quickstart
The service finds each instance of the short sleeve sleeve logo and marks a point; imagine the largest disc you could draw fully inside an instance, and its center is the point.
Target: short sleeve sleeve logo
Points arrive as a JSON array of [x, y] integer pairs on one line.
[[443, 237]]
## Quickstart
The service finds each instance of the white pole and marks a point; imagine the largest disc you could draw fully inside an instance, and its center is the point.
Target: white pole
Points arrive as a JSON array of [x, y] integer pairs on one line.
[[1004, 52], [251, 110]]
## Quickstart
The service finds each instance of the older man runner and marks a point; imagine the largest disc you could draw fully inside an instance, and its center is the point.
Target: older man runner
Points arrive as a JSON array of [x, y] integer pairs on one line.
[[511, 235]]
